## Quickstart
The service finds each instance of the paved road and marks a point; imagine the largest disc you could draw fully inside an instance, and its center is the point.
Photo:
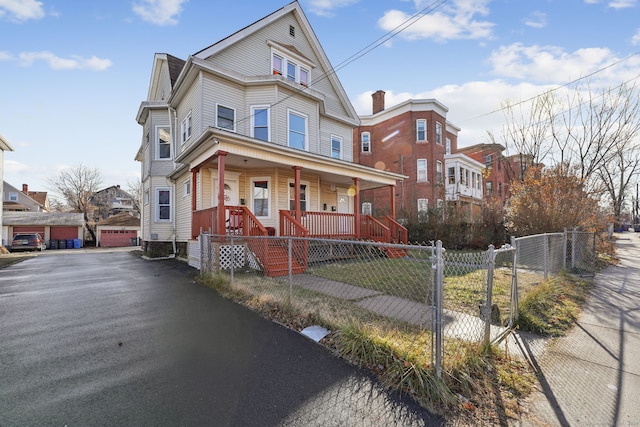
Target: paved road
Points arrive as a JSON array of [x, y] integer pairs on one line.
[[93, 338], [592, 376]]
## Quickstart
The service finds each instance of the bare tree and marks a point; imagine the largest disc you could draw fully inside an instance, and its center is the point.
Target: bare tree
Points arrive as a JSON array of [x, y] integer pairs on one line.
[[76, 186], [616, 175], [134, 188]]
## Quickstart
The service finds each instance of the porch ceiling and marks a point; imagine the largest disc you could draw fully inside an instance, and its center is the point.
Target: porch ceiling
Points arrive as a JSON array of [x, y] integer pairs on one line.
[[248, 153]]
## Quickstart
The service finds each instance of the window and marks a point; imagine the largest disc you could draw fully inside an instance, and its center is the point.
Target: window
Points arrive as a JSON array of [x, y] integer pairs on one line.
[[466, 177], [185, 128], [226, 118], [163, 204], [146, 197], [277, 64], [163, 148], [474, 179], [13, 196], [488, 188], [297, 131], [186, 187], [488, 160], [499, 189], [438, 133], [303, 196], [261, 198], [422, 170], [304, 77], [260, 123], [291, 71], [479, 183], [366, 208], [439, 172], [451, 175], [336, 147], [447, 148], [365, 142], [421, 130], [423, 205], [440, 204], [463, 176]]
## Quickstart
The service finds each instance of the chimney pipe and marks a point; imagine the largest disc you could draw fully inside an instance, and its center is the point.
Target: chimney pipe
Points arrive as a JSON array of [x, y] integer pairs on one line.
[[378, 101], [25, 188]]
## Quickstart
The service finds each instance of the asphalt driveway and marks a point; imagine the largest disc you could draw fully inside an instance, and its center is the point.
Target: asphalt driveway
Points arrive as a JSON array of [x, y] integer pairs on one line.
[[106, 338]]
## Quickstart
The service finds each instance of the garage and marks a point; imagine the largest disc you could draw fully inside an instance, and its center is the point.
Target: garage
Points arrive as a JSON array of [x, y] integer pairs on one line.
[[118, 231], [117, 238], [63, 233], [29, 229]]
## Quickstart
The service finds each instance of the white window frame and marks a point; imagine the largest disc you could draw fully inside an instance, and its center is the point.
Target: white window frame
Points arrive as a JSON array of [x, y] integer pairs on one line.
[[423, 205], [438, 133], [306, 129], [488, 161], [306, 73], [253, 122], [366, 208], [145, 197], [158, 143], [292, 77], [301, 65], [158, 206], [365, 142], [451, 179], [337, 139], [13, 196], [218, 106], [269, 195], [422, 168], [307, 194], [439, 172], [186, 187], [185, 128], [424, 131], [277, 71]]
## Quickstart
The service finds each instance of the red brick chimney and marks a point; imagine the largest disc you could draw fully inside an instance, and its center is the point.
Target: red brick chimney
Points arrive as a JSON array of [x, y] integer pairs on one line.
[[378, 101], [25, 188]]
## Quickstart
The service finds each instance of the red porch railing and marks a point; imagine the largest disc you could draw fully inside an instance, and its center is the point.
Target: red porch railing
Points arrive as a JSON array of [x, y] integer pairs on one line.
[[204, 220], [326, 224], [239, 220], [371, 228], [398, 233]]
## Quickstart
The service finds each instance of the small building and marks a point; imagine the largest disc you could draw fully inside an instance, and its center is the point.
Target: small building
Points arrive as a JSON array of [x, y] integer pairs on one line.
[[120, 230], [53, 226], [4, 146], [16, 200]]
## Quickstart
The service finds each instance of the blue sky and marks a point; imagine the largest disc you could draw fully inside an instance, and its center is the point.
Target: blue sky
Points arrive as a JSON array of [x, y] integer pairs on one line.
[[73, 73]]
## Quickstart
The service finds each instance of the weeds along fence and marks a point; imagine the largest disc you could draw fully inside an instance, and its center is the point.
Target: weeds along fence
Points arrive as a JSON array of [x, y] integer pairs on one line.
[[431, 305]]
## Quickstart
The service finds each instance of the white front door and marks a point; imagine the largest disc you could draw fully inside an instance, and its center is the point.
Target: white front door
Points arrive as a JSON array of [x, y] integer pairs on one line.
[[345, 202], [231, 189]]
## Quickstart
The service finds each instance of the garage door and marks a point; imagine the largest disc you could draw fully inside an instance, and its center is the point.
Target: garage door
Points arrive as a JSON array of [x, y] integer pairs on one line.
[[64, 233], [117, 238], [29, 229]]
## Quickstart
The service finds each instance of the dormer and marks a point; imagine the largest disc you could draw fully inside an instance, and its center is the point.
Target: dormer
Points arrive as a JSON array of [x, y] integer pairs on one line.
[[289, 63]]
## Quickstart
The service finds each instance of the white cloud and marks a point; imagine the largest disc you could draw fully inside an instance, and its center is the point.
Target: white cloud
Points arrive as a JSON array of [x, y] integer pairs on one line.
[[536, 20], [159, 12], [21, 10], [547, 64], [5, 56], [636, 38], [326, 7], [57, 63], [622, 4], [455, 21]]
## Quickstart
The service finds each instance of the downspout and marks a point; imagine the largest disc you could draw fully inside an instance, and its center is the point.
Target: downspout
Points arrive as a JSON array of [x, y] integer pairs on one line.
[[175, 197]]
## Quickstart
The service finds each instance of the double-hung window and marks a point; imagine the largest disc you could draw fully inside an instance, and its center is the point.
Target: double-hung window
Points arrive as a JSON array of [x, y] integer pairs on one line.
[[277, 64], [336, 147], [291, 71], [303, 196], [185, 128], [423, 205], [260, 122], [163, 147], [488, 161], [186, 187], [297, 125], [451, 175], [365, 142], [439, 172], [438, 133], [13, 196], [304, 77], [226, 118], [163, 204], [422, 170], [421, 130], [488, 186]]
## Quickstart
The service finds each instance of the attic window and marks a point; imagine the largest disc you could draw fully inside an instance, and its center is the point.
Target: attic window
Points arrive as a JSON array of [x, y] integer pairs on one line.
[[292, 31]]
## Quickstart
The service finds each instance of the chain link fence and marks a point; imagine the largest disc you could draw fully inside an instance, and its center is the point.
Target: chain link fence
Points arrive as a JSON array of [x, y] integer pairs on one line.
[[431, 303]]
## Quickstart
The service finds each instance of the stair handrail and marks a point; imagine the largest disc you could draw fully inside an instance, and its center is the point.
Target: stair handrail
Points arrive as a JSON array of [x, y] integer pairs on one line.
[[251, 225], [399, 233], [290, 226], [373, 229]]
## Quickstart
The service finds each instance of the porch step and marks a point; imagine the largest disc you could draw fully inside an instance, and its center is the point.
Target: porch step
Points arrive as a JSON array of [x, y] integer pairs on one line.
[[276, 263], [394, 253]]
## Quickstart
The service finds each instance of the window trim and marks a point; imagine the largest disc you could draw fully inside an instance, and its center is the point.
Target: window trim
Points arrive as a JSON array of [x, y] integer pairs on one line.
[[186, 188], [439, 172], [363, 142], [339, 139], [186, 128], [269, 196], [276, 71], [306, 129], [425, 202], [218, 105], [291, 182], [288, 57], [157, 148], [158, 206], [253, 122], [418, 131], [438, 133], [418, 169]]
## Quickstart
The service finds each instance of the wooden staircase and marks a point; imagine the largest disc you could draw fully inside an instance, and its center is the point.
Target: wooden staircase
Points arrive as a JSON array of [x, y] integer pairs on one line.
[[275, 260], [394, 252]]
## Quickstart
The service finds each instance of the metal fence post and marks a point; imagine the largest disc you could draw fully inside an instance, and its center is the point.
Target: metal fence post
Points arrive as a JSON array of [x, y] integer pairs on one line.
[[573, 249], [439, 308], [233, 257], [290, 261], [491, 252], [514, 283], [546, 255], [564, 249]]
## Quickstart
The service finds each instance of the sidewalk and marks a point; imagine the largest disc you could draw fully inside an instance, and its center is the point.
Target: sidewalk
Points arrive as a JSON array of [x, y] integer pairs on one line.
[[591, 377]]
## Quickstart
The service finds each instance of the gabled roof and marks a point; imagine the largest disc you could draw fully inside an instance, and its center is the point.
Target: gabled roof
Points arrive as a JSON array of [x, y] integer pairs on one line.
[[43, 218], [123, 219], [4, 144], [175, 67]]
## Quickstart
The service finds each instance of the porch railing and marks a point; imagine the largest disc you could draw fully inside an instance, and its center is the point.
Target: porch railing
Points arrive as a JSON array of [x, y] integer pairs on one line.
[[290, 226], [238, 220], [372, 229], [327, 224], [398, 233], [204, 220]]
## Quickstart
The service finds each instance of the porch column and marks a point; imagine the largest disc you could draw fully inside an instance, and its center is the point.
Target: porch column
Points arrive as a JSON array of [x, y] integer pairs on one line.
[[392, 201], [296, 193], [356, 207], [194, 183], [220, 210]]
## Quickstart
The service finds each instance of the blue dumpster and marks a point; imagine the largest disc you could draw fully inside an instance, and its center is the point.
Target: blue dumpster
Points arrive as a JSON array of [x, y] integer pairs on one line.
[[77, 243], [69, 243]]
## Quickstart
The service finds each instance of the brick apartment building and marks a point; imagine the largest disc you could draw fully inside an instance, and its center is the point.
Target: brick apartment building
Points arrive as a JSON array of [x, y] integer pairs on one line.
[[414, 139]]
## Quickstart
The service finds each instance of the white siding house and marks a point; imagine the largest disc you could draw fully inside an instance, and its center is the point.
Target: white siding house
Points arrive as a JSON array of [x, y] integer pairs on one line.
[[258, 124], [4, 146]]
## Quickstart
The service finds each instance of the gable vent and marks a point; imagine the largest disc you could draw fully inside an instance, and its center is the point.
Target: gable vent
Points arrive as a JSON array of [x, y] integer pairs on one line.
[[292, 31]]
